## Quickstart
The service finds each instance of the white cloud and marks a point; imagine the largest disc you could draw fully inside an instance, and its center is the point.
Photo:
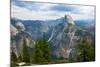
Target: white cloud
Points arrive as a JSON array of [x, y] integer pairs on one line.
[[82, 13], [88, 12], [25, 14]]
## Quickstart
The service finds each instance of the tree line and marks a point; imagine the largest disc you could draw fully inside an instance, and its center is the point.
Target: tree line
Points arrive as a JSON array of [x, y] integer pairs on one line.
[[41, 53]]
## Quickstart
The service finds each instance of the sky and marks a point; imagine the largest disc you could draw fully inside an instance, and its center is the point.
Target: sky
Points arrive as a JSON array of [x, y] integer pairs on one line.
[[30, 10]]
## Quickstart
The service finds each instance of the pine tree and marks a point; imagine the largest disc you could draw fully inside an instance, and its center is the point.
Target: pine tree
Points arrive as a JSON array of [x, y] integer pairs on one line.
[[85, 51], [13, 57], [41, 53], [26, 55]]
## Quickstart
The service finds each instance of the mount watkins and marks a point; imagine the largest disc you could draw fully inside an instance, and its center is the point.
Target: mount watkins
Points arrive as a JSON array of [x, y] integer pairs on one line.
[[62, 35]]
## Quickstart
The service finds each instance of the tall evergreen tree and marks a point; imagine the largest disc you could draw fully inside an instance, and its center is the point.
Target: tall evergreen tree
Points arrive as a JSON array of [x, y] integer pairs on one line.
[[26, 55], [85, 51], [41, 53], [13, 57]]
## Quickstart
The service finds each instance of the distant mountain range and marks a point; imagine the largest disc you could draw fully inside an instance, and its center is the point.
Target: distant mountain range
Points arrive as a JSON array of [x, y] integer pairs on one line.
[[63, 33]]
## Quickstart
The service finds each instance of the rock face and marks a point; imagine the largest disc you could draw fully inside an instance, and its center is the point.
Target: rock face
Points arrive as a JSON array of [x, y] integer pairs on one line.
[[20, 26], [17, 39], [63, 37], [13, 30], [62, 34]]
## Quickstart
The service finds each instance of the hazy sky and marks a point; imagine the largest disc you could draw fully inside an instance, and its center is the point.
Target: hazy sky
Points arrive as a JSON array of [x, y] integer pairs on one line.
[[46, 11]]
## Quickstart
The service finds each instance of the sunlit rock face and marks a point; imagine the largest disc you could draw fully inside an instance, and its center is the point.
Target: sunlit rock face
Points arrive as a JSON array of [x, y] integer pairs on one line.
[[13, 30], [63, 37], [17, 42], [17, 36], [69, 19], [20, 26]]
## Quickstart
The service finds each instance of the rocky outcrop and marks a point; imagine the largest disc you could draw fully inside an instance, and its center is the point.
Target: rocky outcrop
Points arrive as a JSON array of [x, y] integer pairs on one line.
[[62, 34], [63, 37], [17, 36]]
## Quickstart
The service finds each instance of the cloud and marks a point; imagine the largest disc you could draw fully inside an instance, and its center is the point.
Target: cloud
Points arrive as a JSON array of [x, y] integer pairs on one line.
[[33, 5], [62, 7], [86, 12], [43, 11], [25, 14]]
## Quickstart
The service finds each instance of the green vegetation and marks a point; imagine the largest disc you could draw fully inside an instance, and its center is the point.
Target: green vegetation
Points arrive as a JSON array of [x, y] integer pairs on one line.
[[20, 58], [13, 59], [85, 51], [41, 52], [25, 55]]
